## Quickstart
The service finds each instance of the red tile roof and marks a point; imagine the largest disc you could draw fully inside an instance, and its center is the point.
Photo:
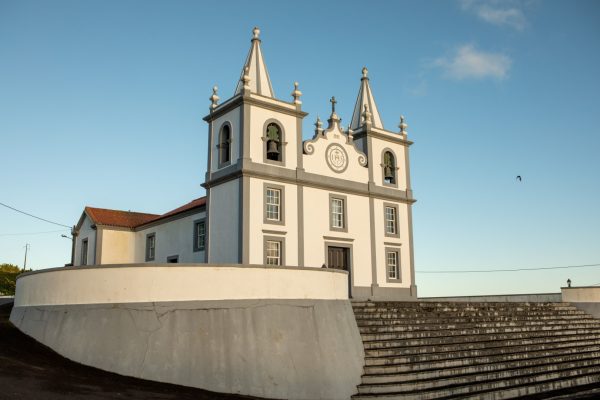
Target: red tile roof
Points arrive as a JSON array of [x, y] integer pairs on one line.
[[129, 219]]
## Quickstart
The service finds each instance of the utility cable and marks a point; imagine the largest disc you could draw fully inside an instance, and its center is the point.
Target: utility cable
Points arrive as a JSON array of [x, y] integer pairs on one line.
[[505, 270], [31, 233], [41, 219]]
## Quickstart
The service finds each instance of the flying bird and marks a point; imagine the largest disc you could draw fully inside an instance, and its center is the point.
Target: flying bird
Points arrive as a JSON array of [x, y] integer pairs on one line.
[[519, 178]]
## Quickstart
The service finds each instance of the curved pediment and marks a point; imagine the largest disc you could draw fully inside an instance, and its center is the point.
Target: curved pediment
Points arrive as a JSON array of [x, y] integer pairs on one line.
[[333, 152]]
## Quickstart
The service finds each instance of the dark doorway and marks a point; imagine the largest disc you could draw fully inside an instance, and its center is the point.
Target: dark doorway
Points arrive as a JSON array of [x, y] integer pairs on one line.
[[173, 259], [339, 258]]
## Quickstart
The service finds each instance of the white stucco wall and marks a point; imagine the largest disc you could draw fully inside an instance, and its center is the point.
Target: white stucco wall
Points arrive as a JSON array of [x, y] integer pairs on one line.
[[398, 151], [317, 231], [166, 282], [173, 238], [117, 246], [258, 117], [233, 117], [402, 242], [86, 232], [224, 222], [259, 229]]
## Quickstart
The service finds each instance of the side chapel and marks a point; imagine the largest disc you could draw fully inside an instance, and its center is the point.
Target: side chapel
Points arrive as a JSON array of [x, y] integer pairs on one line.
[[342, 199]]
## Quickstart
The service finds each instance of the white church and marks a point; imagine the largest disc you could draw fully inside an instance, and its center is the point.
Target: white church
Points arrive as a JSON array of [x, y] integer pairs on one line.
[[340, 200]]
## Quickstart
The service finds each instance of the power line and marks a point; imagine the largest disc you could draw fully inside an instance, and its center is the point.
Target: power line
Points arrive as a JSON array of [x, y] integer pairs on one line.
[[31, 233], [505, 270], [41, 219]]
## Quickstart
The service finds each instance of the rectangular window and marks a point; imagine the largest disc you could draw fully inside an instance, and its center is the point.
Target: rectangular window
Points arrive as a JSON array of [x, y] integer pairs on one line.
[[199, 235], [391, 221], [337, 213], [150, 246], [273, 204], [392, 264], [84, 252], [273, 252]]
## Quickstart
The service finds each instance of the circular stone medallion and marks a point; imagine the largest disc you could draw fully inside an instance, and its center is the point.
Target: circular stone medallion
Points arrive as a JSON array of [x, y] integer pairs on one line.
[[336, 158]]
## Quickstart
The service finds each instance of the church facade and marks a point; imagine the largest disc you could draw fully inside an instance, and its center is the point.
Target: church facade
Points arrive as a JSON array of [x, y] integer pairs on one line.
[[340, 200]]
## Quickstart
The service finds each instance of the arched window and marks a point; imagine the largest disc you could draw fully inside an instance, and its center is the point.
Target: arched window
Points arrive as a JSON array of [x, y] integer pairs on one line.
[[389, 168], [273, 136], [224, 145]]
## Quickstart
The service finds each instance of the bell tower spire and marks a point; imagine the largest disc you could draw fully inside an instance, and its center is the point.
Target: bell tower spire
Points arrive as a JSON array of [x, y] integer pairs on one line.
[[254, 72], [365, 101]]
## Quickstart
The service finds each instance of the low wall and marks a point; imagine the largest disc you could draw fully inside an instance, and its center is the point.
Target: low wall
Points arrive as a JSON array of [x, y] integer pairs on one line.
[[586, 298], [502, 298], [307, 347]]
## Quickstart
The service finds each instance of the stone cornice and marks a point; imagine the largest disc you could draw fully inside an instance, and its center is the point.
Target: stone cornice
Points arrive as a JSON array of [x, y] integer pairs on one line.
[[255, 101]]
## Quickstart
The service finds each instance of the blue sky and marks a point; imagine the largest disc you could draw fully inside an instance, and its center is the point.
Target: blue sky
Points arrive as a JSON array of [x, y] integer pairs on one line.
[[101, 104]]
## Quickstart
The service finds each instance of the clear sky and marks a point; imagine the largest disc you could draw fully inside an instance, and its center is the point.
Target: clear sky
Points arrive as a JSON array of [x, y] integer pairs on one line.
[[101, 104]]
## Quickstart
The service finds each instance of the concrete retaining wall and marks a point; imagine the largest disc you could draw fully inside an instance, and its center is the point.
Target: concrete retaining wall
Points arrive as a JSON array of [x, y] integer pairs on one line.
[[273, 348], [501, 298], [586, 298]]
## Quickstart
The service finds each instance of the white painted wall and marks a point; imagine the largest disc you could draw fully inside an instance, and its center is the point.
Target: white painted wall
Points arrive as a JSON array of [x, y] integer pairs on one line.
[[398, 151], [167, 282], [233, 117], [86, 232], [258, 227], [316, 228], [117, 246], [402, 242], [586, 294], [173, 238], [224, 221], [258, 117]]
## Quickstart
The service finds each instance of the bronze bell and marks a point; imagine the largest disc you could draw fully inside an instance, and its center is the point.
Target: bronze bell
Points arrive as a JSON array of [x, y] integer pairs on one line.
[[387, 172], [272, 147]]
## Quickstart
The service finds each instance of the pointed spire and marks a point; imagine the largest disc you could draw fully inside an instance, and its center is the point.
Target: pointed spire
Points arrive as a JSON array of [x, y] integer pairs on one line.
[[254, 73], [365, 101]]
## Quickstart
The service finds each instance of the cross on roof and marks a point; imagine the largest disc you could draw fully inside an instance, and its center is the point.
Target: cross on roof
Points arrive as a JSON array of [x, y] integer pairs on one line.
[[333, 101]]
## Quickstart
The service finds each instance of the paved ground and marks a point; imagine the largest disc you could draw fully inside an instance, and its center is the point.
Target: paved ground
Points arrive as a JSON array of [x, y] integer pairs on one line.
[[30, 370]]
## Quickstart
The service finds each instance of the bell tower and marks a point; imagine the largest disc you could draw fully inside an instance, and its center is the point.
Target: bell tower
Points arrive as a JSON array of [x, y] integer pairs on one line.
[[253, 138]]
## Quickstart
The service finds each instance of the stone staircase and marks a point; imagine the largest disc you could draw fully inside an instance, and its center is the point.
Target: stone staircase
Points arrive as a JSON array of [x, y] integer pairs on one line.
[[435, 350]]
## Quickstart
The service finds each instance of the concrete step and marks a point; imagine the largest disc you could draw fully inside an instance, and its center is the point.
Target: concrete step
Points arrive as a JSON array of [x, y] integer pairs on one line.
[[463, 314], [509, 352], [385, 333], [464, 384], [461, 320], [447, 363], [470, 346], [451, 309], [471, 339], [506, 389], [431, 373], [541, 325]]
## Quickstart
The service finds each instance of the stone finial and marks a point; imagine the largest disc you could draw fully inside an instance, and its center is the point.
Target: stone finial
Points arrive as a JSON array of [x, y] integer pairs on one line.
[[318, 126], [296, 94], [255, 33], [402, 125], [246, 78], [366, 115], [365, 72], [350, 133], [214, 99]]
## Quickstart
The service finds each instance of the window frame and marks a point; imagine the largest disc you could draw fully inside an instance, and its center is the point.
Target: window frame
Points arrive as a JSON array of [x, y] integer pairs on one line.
[[398, 253], [344, 200], [196, 246], [220, 142], [84, 254], [385, 220], [281, 189], [395, 168], [281, 241], [150, 236], [282, 142]]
